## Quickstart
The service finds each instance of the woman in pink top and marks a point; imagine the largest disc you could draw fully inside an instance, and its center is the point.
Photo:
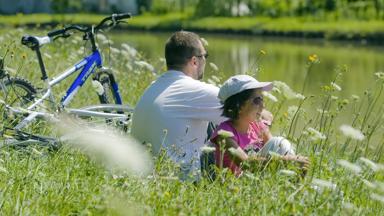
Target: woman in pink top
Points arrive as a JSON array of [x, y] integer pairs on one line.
[[246, 133]]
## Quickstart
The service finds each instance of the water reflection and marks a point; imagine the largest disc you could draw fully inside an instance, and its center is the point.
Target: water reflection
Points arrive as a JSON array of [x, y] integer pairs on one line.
[[285, 59]]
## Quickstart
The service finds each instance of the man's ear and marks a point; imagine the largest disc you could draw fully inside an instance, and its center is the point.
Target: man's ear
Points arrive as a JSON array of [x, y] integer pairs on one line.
[[194, 60]]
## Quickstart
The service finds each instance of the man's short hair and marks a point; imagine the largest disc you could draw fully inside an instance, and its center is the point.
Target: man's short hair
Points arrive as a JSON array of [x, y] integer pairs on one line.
[[232, 105], [181, 46]]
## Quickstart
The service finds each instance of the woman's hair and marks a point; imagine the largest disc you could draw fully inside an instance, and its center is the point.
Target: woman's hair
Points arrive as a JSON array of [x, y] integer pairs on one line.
[[232, 105]]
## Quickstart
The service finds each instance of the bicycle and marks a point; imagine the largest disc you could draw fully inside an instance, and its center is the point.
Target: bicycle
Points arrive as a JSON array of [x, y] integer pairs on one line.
[[20, 96]]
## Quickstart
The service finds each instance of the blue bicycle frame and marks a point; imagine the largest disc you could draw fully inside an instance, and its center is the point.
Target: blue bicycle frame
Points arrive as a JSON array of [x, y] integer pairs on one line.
[[89, 65]]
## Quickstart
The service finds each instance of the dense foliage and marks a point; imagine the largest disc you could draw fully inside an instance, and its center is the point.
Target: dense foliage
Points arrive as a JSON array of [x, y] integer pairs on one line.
[[322, 9]]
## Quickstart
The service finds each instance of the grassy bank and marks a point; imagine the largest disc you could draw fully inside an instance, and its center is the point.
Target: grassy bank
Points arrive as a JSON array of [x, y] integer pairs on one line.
[[291, 27]]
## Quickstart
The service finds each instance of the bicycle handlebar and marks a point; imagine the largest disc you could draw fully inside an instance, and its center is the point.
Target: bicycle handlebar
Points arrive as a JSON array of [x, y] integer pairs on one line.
[[115, 18]]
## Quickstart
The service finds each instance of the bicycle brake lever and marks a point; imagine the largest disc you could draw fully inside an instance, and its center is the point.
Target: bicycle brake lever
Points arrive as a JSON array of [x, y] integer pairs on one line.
[[66, 35], [55, 38]]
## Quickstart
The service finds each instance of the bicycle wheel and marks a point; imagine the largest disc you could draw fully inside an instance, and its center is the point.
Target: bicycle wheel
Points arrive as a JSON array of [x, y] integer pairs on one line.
[[17, 92], [107, 80]]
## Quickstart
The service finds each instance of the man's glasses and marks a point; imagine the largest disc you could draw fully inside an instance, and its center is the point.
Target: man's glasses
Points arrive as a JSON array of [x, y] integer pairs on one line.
[[205, 56], [258, 100]]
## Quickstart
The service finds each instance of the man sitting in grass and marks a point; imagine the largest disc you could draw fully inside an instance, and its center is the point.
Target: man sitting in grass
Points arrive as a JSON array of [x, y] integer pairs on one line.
[[174, 111]]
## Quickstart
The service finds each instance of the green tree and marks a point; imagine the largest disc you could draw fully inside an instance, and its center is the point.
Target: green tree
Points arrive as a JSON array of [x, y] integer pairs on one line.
[[65, 6], [144, 5]]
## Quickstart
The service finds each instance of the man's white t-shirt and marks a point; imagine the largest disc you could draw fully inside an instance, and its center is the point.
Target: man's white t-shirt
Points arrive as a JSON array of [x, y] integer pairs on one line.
[[173, 114]]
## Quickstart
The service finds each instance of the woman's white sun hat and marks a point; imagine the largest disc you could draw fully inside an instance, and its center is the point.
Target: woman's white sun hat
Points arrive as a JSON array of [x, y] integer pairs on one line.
[[239, 83]]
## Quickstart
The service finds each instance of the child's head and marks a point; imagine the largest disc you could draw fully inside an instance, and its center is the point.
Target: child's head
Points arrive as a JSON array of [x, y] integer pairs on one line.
[[241, 96]]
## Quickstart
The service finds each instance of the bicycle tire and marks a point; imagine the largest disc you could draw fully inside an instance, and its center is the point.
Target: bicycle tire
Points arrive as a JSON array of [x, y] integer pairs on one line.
[[106, 78], [12, 92], [15, 92]]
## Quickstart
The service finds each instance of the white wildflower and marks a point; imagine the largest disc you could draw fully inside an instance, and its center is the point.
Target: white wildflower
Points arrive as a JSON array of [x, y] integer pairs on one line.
[[379, 75], [162, 60], [213, 66], [287, 172], [351, 132], [115, 51], [249, 175], [78, 38], [36, 152], [274, 89], [300, 96], [102, 38], [79, 52], [129, 67], [10, 70], [349, 208], [379, 185], [3, 170], [232, 150], [335, 86], [372, 165], [334, 97], [47, 56], [207, 149], [377, 197], [74, 41], [204, 42], [125, 54], [380, 167], [355, 97], [369, 184], [131, 51], [211, 81], [116, 151], [291, 111], [285, 89], [72, 57], [237, 152], [315, 134], [322, 111], [274, 154], [224, 133], [270, 96], [216, 78], [145, 65], [349, 166], [324, 184]]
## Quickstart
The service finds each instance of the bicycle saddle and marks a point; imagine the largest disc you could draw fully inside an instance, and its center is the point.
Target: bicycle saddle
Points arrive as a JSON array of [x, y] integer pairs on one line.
[[34, 42]]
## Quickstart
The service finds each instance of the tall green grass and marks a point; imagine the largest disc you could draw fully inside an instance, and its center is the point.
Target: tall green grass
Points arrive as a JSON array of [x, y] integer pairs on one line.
[[346, 174]]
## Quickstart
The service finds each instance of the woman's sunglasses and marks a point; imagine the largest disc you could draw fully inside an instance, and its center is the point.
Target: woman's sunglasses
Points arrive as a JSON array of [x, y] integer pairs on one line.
[[258, 100]]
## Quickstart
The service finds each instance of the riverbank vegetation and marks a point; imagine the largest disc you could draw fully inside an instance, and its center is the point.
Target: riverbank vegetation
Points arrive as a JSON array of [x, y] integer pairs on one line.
[[292, 27]]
